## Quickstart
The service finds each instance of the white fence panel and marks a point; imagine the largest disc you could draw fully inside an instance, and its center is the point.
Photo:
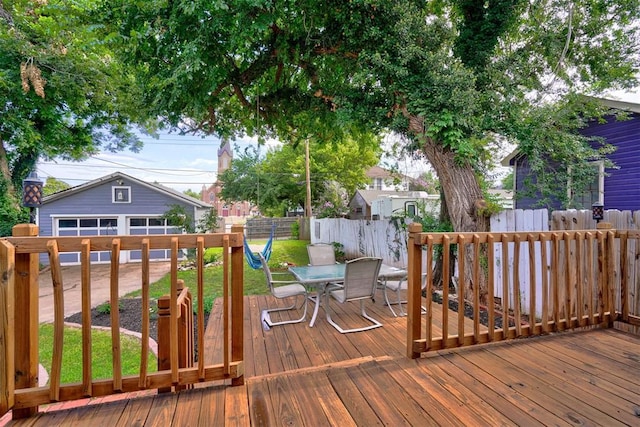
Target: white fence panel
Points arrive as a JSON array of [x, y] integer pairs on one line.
[[525, 221]]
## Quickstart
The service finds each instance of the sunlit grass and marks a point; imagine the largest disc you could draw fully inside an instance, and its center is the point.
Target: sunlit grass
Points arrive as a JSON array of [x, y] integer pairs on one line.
[[284, 253], [101, 363]]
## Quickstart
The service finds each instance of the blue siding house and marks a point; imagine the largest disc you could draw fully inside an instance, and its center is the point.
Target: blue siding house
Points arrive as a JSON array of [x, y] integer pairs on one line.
[[117, 204], [620, 188]]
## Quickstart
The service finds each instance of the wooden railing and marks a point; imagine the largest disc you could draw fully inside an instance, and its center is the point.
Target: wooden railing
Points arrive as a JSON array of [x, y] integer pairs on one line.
[[19, 292], [535, 283]]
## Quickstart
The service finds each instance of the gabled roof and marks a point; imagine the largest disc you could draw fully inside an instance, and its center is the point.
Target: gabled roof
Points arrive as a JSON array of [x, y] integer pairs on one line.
[[105, 179], [370, 195]]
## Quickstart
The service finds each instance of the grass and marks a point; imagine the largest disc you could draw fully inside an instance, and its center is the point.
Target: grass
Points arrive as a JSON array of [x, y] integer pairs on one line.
[[284, 253], [101, 364]]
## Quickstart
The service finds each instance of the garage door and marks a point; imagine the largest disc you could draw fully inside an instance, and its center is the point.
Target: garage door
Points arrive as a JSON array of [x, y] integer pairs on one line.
[[144, 226], [109, 226], [86, 227]]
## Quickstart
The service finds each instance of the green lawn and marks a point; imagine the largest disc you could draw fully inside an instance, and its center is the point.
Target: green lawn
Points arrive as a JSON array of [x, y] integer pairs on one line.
[[284, 253], [101, 365]]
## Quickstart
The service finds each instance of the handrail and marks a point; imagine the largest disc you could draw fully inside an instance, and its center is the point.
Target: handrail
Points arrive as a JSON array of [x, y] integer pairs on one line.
[[21, 254], [545, 281]]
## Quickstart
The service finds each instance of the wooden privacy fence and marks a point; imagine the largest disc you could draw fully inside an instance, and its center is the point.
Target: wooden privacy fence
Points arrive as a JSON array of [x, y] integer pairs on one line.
[[19, 307], [583, 276]]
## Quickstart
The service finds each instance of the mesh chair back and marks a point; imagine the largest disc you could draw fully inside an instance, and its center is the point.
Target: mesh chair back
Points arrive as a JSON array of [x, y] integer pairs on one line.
[[267, 272], [321, 254], [361, 278]]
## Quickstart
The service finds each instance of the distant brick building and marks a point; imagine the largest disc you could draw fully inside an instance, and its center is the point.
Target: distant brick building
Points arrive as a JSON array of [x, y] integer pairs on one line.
[[211, 194]]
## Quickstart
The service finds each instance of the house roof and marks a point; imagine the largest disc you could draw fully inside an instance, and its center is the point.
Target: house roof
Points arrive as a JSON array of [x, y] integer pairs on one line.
[[99, 181], [379, 172], [370, 195]]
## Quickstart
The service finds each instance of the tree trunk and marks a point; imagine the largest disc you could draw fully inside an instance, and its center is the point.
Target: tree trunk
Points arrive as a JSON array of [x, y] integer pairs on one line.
[[438, 270], [463, 197]]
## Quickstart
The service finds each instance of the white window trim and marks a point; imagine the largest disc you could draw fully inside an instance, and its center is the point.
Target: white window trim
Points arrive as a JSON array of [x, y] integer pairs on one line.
[[600, 165], [114, 189]]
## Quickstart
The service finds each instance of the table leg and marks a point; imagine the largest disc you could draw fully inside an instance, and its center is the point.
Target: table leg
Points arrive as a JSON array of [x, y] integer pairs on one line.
[[319, 295]]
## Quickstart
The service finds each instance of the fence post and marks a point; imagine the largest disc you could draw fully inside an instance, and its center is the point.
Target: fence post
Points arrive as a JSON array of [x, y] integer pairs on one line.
[[414, 296], [26, 324], [605, 260]]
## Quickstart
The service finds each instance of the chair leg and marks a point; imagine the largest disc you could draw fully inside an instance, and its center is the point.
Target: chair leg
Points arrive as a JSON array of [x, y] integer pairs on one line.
[[399, 302], [376, 324], [265, 316]]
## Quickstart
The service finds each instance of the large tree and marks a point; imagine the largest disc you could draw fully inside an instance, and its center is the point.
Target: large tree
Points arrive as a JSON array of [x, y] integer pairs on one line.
[[62, 93], [446, 75]]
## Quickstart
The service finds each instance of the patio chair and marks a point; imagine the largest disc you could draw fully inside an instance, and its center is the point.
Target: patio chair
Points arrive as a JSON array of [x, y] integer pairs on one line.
[[360, 280], [282, 289], [321, 254], [396, 286]]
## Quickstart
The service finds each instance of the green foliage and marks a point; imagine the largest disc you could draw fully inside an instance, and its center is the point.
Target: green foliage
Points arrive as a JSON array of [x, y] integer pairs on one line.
[[53, 185], [338, 249], [10, 211], [105, 307], [62, 92], [177, 216], [508, 181], [191, 193], [445, 76], [276, 182], [295, 230], [207, 304], [208, 222]]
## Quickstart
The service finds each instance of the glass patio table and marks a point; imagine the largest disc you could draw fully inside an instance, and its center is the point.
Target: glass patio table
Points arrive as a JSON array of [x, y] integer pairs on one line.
[[319, 276]]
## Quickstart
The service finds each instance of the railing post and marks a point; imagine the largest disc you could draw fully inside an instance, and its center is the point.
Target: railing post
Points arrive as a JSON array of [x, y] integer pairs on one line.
[[604, 263], [185, 334], [414, 296], [7, 322], [164, 347], [26, 324], [237, 302]]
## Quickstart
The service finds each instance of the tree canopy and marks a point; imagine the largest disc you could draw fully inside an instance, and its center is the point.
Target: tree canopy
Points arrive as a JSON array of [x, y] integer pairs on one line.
[[445, 75], [62, 93], [276, 182]]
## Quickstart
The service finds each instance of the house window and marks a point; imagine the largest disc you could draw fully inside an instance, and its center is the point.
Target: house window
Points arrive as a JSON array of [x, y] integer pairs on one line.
[[376, 184], [593, 192], [121, 194]]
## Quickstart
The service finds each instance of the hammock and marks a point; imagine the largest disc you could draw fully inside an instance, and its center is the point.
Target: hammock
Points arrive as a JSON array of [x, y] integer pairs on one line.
[[254, 260]]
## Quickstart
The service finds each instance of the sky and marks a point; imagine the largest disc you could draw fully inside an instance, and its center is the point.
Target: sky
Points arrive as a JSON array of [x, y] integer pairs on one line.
[[189, 162], [175, 161]]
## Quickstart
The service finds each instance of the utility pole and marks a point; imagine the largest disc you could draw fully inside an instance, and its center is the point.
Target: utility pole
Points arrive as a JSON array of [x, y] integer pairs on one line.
[[307, 205]]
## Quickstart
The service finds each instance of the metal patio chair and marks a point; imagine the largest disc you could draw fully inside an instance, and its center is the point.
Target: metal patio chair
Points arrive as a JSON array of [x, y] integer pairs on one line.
[[360, 281], [282, 289]]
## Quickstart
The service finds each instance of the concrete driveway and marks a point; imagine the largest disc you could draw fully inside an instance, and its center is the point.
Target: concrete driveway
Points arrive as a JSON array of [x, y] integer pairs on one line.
[[129, 280]]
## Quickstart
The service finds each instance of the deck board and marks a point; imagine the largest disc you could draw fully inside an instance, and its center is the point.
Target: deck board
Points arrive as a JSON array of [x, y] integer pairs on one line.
[[297, 375]]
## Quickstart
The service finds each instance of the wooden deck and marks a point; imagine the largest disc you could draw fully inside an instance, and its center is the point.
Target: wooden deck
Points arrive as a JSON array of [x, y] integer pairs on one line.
[[301, 376]]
